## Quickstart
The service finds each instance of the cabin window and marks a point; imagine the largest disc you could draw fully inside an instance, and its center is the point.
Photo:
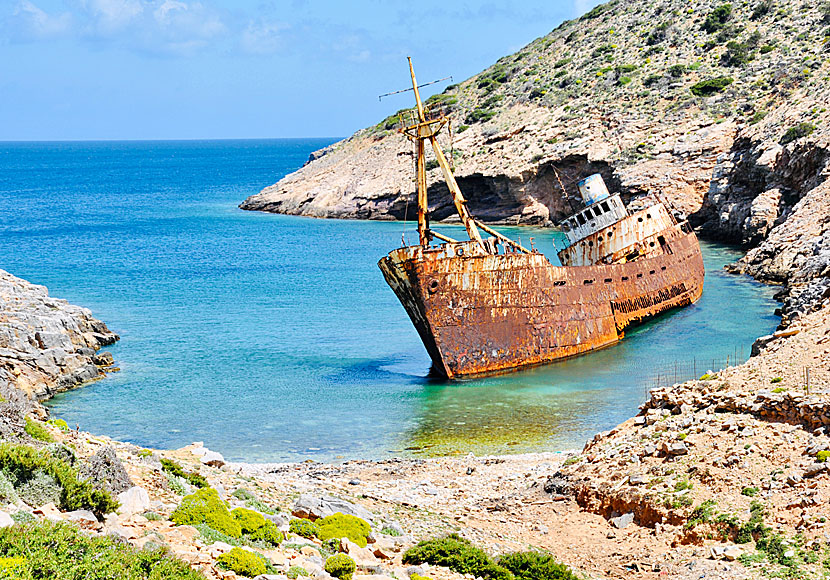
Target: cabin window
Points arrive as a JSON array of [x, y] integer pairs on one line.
[[581, 219], [651, 272], [558, 282], [599, 238], [639, 219], [586, 282], [433, 286], [625, 278], [597, 211], [607, 280], [591, 243], [648, 215], [566, 226], [610, 234], [605, 207]]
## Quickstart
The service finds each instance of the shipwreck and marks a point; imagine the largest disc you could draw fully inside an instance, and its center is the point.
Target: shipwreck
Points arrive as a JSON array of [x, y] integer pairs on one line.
[[488, 305]]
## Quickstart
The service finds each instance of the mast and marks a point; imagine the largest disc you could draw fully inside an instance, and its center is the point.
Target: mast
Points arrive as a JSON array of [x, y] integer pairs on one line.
[[420, 132]]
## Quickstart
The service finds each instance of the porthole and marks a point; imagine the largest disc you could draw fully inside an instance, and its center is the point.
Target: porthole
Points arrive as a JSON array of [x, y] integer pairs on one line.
[[460, 251], [625, 278], [640, 275], [639, 219], [610, 234], [599, 238], [432, 287], [591, 243], [651, 244], [651, 272], [608, 280], [648, 215]]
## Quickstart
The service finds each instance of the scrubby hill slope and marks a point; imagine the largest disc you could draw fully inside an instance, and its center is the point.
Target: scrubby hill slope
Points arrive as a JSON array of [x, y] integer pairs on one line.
[[720, 108]]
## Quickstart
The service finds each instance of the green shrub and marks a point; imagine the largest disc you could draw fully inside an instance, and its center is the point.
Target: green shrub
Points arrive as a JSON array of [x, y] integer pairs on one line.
[[709, 87], [717, 18], [757, 117], [389, 531], [7, 492], [462, 128], [458, 554], [754, 526], [173, 468], [41, 489], [243, 494], [260, 506], [823, 456], [677, 70], [249, 520], [797, 132], [269, 533], [777, 390], [622, 81], [243, 562], [340, 566], [304, 528], [22, 464], [658, 33], [343, 526], [37, 431], [652, 80], [479, 116], [205, 507], [749, 491], [295, 572], [418, 577], [62, 551], [776, 380], [562, 62], [58, 423], [535, 566], [737, 54]]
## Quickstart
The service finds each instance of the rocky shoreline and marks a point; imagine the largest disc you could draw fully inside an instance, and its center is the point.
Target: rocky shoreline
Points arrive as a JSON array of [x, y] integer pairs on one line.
[[666, 492]]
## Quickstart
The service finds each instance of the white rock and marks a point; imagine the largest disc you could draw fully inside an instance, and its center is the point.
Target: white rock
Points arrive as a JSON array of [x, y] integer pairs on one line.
[[133, 501], [5, 520]]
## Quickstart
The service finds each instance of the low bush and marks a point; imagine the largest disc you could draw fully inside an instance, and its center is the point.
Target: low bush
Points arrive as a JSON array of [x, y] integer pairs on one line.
[[22, 464], [797, 132], [479, 116], [41, 489], [823, 456], [303, 528], [243, 562], [535, 566], [269, 533], [36, 430], [343, 526], [710, 87], [59, 424], [776, 380], [205, 507], [340, 566], [737, 54], [176, 470], [458, 554], [677, 70], [243, 494], [717, 18], [295, 572], [249, 520], [749, 491], [60, 550]]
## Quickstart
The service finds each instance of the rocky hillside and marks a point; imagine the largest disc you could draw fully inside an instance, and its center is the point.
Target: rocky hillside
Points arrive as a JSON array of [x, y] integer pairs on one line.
[[719, 107]]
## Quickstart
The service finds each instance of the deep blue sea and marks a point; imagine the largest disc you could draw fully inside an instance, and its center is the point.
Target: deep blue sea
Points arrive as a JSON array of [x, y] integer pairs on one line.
[[275, 338]]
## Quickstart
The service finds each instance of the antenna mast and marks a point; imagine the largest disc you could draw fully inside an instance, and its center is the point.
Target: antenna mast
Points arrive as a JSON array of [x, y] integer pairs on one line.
[[420, 132]]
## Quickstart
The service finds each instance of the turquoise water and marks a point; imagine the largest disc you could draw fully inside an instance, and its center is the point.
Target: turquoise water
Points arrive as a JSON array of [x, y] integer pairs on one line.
[[276, 338]]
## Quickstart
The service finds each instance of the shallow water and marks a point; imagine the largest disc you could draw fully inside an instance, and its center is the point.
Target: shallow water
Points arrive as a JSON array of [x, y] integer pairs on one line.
[[275, 338]]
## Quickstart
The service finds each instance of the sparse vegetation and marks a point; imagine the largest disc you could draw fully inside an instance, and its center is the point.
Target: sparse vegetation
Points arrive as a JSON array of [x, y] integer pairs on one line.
[[458, 554], [173, 468], [205, 507], [343, 526], [535, 566], [794, 133], [37, 431], [749, 491], [243, 562]]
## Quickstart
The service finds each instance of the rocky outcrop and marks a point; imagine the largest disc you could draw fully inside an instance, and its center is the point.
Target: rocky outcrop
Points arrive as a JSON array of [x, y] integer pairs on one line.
[[46, 344]]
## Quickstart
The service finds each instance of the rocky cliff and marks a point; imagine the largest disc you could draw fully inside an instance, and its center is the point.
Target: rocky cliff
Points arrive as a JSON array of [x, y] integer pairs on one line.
[[718, 107], [46, 344]]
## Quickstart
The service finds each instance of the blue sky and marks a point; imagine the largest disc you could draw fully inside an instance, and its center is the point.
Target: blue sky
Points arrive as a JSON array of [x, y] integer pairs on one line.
[[187, 69]]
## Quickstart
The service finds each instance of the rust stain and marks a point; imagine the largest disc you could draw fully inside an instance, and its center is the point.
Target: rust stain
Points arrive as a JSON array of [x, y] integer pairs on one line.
[[481, 313]]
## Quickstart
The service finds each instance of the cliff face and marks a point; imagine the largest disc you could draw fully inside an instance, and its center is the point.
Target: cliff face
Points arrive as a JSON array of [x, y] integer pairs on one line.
[[46, 344], [720, 108]]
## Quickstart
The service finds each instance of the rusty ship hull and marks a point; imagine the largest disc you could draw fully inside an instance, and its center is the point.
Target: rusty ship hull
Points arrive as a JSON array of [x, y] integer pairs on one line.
[[481, 313]]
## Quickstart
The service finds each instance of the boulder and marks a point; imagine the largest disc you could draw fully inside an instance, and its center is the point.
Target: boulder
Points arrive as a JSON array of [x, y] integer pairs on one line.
[[133, 501], [84, 518], [5, 520], [623, 521], [312, 507]]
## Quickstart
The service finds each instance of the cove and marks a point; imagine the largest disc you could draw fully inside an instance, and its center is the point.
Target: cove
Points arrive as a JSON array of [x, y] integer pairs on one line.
[[275, 338]]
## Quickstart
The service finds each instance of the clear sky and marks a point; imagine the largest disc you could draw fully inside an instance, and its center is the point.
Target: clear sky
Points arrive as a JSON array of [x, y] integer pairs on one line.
[[188, 69]]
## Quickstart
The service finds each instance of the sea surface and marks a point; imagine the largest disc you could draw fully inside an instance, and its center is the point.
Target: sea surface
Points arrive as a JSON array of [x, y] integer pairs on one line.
[[275, 338]]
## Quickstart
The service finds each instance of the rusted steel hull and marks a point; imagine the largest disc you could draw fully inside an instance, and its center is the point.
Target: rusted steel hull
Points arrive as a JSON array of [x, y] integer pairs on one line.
[[489, 313]]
